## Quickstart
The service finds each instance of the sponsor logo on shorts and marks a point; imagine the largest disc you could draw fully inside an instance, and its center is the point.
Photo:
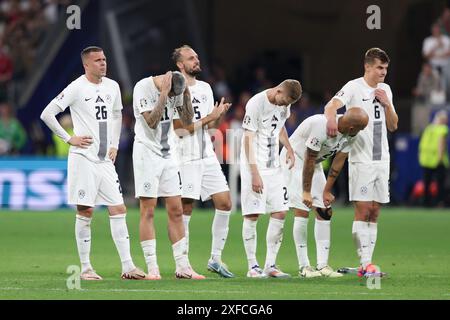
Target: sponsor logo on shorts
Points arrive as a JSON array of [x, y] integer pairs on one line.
[[255, 203], [147, 186], [190, 186], [364, 190], [81, 194]]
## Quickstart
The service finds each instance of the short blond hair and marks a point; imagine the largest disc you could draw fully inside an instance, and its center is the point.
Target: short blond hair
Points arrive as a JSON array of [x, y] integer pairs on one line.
[[176, 54], [293, 88]]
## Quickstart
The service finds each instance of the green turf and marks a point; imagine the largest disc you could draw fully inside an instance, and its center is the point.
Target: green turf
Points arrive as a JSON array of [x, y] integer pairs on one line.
[[37, 247]]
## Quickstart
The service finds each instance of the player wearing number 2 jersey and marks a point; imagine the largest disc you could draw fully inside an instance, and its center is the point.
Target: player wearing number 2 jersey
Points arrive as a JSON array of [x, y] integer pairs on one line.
[[263, 189], [156, 102], [96, 109], [369, 158]]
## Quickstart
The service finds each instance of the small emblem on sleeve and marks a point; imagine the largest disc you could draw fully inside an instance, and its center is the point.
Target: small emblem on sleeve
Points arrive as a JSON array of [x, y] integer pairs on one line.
[[340, 94], [247, 119], [60, 96]]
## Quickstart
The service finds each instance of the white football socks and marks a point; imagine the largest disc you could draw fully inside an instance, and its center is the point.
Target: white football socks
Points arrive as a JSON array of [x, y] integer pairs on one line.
[[219, 233], [249, 236], [180, 254], [356, 239], [149, 249], [362, 233], [186, 220], [274, 238], [301, 238], [373, 230], [322, 234], [83, 238], [119, 232]]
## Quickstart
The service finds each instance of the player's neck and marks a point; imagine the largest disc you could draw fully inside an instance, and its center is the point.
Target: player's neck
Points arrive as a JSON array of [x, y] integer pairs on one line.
[[190, 80], [372, 84], [271, 95], [93, 79]]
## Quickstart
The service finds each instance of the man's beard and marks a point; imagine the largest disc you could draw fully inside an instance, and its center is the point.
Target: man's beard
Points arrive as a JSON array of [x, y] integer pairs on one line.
[[194, 72]]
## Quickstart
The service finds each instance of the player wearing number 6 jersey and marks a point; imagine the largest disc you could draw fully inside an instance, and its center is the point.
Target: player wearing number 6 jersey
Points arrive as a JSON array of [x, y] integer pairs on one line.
[[156, 102], [96, 109], [263, 189], [369, 159]]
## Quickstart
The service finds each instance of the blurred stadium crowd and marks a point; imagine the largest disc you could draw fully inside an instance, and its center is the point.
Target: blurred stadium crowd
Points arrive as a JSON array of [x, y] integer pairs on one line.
[[23, 24]]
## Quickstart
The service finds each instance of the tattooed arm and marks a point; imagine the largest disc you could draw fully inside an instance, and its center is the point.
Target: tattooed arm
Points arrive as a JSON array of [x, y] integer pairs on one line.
[[309, 164], [186, 111], [154, 116], [335, 169]]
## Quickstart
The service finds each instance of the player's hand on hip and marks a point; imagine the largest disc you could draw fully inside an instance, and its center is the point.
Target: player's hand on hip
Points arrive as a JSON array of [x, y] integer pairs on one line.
[[328, 198], [166, 83], [307, 199], [112, 154], [80, 141], [332, 128], [382, 97], [290, 158], [257, 183]]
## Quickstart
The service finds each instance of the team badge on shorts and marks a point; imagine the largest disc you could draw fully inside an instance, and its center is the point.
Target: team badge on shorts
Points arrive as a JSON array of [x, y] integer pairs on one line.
[[363, 190], [81, 193], [190, 186], [147, 186]]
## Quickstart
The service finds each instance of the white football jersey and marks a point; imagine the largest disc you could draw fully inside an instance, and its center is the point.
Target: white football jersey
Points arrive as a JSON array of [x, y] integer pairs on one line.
[[198, 145], [312, 134], [145, 98], [267, 120], [371, 144], [91, 106]]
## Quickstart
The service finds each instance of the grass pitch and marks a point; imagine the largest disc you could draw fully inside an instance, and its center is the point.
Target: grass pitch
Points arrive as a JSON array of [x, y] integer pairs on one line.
[[36, 249]]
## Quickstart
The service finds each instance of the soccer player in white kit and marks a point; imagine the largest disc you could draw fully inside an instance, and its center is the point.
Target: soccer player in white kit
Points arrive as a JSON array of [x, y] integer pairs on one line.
[[156, 100], [369, 159], [308, 187], [263, 189], [201, 173], [96, 108]]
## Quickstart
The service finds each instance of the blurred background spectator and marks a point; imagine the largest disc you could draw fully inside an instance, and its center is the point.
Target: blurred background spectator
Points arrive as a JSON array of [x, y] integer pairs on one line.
[[12, 134], [433, 157]]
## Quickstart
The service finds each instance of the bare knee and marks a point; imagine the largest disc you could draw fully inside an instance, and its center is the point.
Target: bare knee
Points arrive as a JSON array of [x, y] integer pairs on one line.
[[85, 211], [115, 210], [252, 217], [175, 212], [278, 215], [188, 206], [147, 211], [224, 205], [301, 213], [374, 213]]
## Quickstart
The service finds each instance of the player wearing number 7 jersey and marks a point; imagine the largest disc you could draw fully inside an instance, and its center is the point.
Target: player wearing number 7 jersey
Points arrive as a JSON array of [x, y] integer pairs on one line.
[[96, 109], [156, 102], [263, 189], [369, 159]]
